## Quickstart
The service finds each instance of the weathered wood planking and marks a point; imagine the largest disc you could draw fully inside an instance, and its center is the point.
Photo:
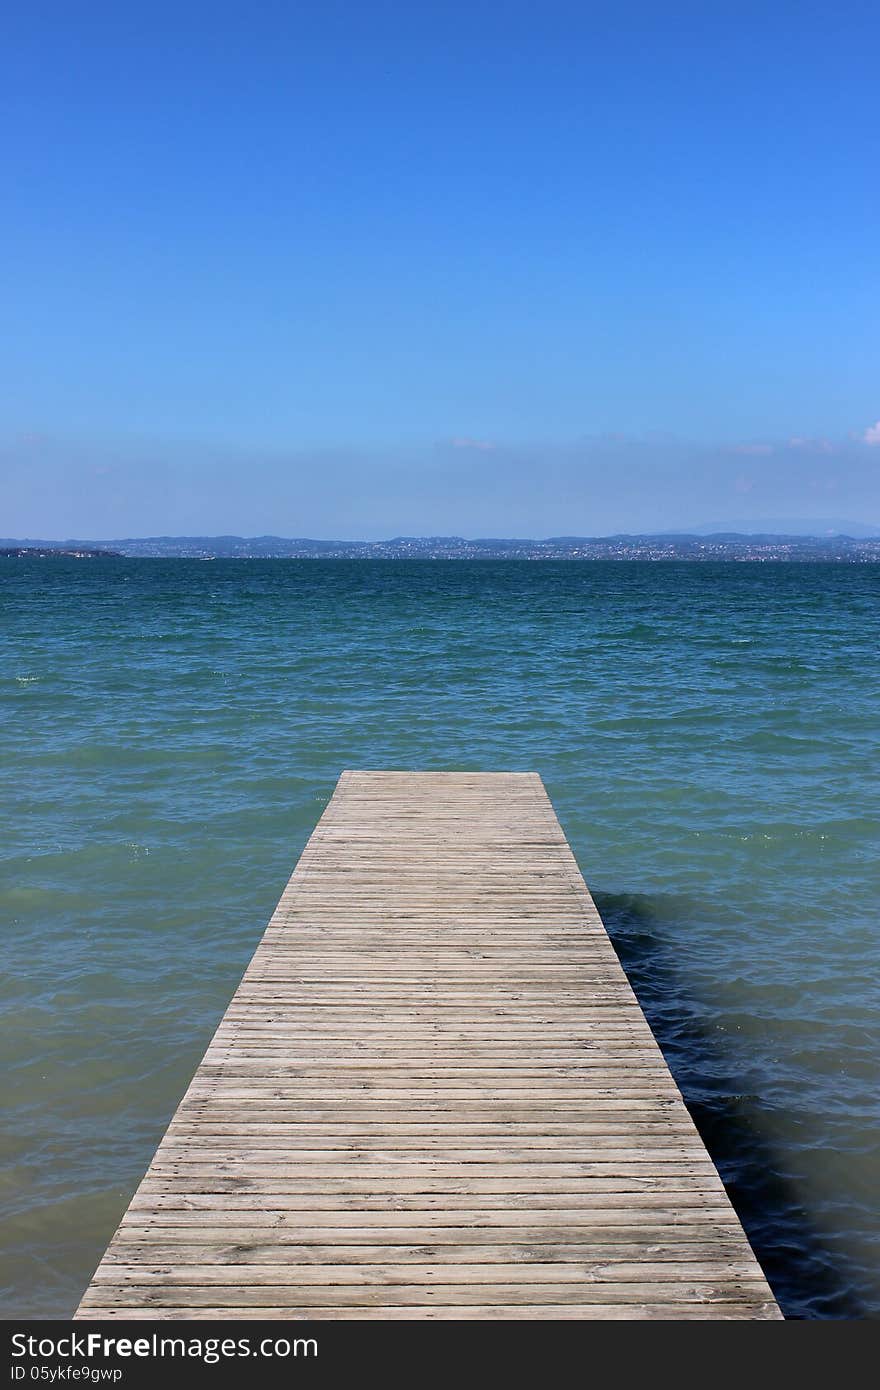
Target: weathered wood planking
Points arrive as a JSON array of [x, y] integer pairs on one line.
[[433, 1095]]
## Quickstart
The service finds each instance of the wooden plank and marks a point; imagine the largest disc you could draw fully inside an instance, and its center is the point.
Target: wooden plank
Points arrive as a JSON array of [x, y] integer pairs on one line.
[[740, 1311], [671, 1198], [373, 1300], [171, 1271], [433, 1095]]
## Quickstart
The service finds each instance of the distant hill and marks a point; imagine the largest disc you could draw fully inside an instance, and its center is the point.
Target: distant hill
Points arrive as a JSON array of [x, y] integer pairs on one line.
[[785, 526]]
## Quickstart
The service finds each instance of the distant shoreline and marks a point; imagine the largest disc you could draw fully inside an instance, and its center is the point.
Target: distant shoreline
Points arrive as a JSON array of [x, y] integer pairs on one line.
[[724, 546], [53, 552]]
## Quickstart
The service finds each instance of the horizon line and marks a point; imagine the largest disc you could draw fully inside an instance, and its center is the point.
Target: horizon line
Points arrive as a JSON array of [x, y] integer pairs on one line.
[[700, 534]]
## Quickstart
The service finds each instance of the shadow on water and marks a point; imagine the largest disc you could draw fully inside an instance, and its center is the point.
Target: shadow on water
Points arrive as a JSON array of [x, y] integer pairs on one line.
[[803, 1271]]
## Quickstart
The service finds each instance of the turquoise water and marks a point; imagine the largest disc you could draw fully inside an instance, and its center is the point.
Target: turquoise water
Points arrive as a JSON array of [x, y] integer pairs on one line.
[[708, 734]]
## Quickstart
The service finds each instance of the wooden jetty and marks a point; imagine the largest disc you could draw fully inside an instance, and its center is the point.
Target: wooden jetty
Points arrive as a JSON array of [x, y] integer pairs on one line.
[[433, 1095]]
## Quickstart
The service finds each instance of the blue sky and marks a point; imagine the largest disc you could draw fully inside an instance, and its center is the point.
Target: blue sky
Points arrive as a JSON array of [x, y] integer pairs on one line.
[[344, 269]]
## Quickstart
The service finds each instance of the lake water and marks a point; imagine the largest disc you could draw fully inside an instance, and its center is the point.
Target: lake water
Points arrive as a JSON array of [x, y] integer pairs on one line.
[[709, 736]]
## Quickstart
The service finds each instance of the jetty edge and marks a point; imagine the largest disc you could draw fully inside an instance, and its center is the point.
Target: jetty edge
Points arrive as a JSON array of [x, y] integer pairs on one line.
[[433, 1095]]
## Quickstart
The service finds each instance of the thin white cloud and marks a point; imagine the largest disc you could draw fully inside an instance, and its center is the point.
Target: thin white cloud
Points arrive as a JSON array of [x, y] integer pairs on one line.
[[872, 434], [484, 445], [816, 446]]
